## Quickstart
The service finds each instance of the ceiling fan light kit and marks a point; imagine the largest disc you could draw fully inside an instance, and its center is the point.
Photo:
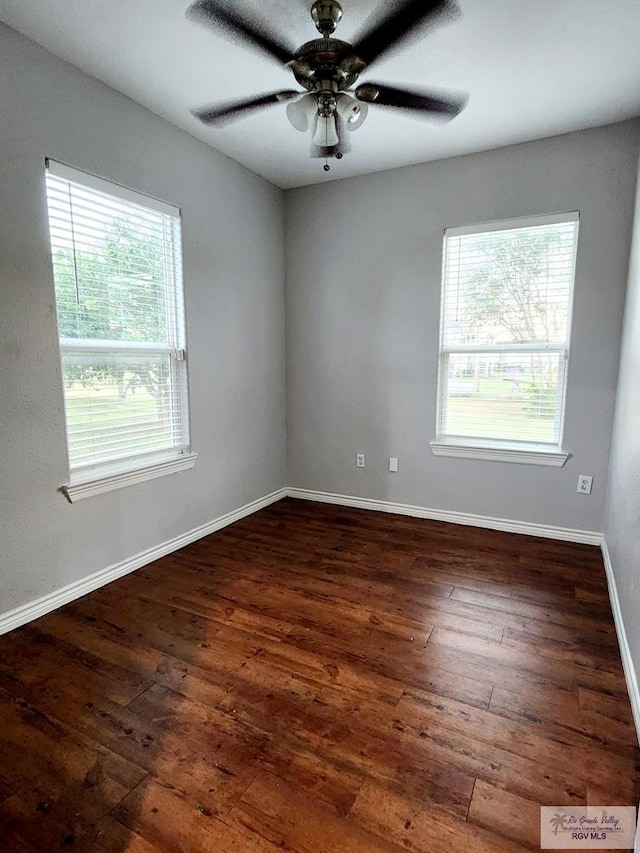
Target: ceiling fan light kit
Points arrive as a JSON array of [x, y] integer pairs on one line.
[[326, 133], [302, 112], [328, 68], [352, 112]]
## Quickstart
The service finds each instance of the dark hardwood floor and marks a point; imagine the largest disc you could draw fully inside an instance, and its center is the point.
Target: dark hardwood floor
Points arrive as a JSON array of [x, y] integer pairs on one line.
[[321, 680]]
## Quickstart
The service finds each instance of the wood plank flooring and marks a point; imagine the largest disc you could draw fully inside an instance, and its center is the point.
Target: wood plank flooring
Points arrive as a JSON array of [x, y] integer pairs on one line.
[[321, 680]]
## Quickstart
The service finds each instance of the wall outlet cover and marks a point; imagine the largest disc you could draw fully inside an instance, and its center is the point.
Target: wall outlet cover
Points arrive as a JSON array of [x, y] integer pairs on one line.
[[585, 482]]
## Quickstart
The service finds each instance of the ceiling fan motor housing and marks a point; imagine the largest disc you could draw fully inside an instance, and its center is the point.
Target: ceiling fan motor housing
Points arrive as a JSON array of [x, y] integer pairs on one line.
[[326, 59]]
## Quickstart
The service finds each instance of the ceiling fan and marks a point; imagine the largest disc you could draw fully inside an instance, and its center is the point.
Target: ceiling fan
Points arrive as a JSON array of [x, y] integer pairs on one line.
[[327, 68]]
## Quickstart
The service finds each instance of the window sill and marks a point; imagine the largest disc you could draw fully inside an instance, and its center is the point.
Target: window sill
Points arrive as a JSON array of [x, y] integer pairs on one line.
[[89, 484], [531, 455]]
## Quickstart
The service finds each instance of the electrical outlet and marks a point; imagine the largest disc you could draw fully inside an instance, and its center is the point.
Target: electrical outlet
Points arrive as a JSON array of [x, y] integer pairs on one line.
[[359, 460], [584, 484], [393, 464]]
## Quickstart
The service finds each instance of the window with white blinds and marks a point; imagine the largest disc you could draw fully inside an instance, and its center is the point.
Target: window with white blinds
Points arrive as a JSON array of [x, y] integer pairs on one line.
[[506, 318], [118, 280]]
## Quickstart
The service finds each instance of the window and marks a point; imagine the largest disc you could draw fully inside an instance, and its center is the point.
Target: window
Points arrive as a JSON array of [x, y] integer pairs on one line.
[[504, 340], [118, 281]]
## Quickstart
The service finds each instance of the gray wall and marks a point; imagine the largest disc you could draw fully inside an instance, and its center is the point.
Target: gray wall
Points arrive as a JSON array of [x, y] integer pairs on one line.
[[363, 283], [234, 272], [363, 289], [622, 519]]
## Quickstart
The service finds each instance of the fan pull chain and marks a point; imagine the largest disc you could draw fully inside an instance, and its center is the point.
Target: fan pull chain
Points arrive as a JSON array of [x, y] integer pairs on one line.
[[326, 167]]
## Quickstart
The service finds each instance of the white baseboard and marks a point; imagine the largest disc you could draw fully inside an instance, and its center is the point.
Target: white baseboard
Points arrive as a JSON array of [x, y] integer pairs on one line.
[[625, 651], [47, 603], [588, 537], [28, 612]]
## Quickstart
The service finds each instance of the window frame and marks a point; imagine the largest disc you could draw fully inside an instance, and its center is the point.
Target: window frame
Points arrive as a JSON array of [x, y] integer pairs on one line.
[[497, 449], [97, 476]]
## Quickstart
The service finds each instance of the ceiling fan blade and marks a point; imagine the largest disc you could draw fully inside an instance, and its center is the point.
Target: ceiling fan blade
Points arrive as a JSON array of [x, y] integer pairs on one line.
[[388, 96], [405, 17], [217, 14], [223, 113]]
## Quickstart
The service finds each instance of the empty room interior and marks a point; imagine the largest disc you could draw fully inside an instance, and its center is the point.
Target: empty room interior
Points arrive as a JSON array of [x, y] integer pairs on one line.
[[320, 408]]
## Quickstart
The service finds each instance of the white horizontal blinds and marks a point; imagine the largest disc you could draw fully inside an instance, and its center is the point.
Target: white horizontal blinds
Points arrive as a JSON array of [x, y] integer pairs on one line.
[[115, 266], [119, 406], [507, 296], [504, 396], [118, 286], [509, 286]]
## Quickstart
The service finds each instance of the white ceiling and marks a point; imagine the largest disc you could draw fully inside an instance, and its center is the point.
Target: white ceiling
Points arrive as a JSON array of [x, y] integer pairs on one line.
[[532, 69]]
